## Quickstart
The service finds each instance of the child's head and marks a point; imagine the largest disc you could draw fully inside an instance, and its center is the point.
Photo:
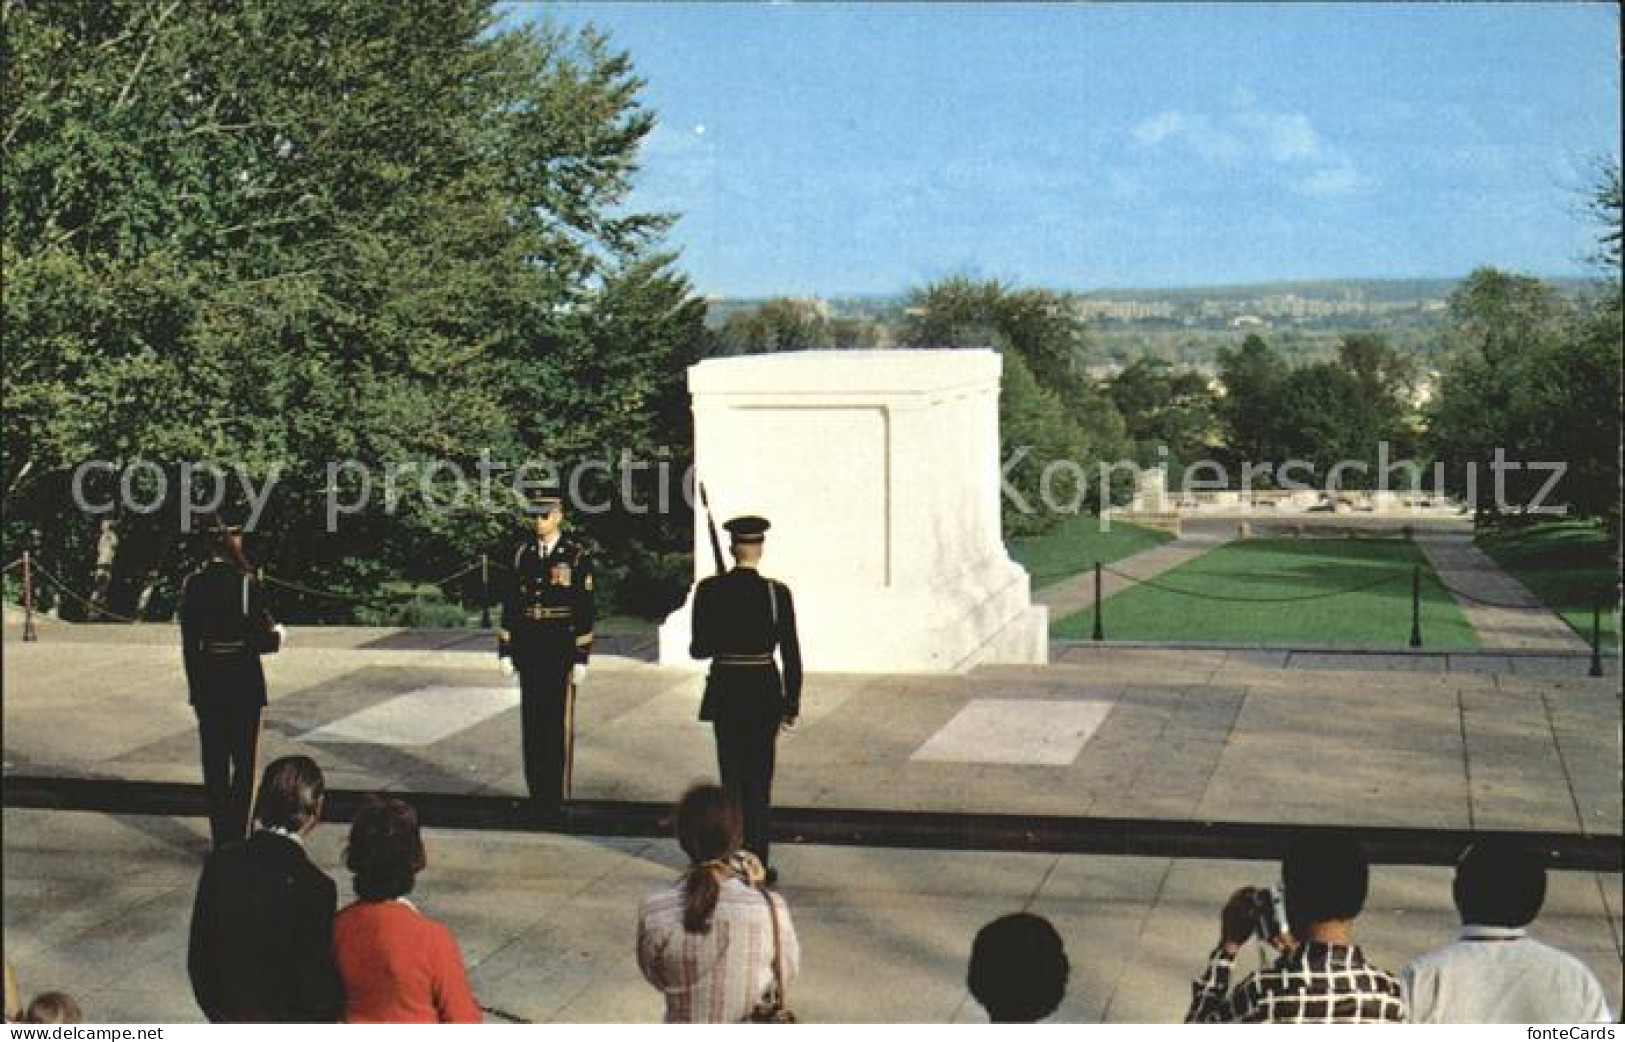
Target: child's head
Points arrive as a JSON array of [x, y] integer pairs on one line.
[[53, 1007]]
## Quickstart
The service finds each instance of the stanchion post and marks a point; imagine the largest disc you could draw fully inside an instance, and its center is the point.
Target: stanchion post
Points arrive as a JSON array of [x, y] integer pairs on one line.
[[1100, 632], [29, 632], [1416, 606], [485, 591], [1596, 637]]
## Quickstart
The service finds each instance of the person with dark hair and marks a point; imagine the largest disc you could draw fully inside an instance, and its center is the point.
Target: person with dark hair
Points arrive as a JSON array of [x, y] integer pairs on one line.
[[53, 1007], [710, 944], [398, 965], [1321, 977], [261, 946], [1018, 969], [225, 628], [1494, 972], [740, 619]]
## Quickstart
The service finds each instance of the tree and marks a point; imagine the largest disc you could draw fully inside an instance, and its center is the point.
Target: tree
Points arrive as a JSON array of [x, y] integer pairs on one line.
[[302, 232], [1047, 395], [780, 324], [1168, 409], [1502, 325], [1251, 376]]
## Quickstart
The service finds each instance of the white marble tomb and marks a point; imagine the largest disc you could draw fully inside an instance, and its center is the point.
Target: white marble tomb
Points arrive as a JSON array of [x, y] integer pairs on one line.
[[880, 473]]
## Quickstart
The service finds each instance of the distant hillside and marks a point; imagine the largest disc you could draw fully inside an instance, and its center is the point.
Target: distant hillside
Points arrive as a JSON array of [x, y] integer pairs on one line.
[[1371, 289]]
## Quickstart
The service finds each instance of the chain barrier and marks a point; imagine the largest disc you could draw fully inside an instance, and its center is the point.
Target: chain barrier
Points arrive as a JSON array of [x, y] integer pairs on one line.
[[81, 599], [1234, 599], [270, 580], [10, 566]]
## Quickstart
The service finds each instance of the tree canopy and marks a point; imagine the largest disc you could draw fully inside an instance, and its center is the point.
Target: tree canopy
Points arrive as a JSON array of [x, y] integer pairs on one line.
[[301, 231]]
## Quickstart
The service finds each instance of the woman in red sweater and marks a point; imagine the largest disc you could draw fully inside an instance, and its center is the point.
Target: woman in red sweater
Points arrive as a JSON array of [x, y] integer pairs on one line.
[[398, 965]]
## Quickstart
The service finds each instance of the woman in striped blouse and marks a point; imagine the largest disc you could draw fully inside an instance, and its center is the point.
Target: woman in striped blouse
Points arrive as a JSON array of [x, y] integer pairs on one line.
[[707, 942]]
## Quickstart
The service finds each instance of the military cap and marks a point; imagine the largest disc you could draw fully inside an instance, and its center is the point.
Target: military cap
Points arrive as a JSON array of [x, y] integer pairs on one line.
[[543, 498], [747, 529]]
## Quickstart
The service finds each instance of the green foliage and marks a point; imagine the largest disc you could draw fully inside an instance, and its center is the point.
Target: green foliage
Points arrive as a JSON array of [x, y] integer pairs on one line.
[[299, 232], [1355, 593], [781, 324], [1047, 404], [1538, 378], [414, 605], [1326, 413], [1167, 409], [1252, 376]]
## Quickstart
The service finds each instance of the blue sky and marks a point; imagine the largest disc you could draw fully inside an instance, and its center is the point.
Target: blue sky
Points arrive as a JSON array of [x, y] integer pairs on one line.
[[831, 149]]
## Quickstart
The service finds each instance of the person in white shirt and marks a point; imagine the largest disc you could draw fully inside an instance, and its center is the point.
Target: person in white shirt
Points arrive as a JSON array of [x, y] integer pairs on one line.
[[1493, 972]]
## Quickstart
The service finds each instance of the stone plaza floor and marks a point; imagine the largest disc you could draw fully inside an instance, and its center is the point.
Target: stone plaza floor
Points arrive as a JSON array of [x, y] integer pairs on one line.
[[1486, 742], [98, 904]]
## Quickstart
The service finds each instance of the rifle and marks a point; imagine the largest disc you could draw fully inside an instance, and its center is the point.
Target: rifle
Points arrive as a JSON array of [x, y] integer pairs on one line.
[[711, 523]]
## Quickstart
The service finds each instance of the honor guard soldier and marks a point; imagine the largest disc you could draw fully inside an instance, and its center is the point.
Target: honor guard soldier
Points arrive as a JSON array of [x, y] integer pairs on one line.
[[740, 618], [225, 628], [546, 635]]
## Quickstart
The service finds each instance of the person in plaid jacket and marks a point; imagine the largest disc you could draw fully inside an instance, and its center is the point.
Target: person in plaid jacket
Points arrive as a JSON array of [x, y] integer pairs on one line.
[[1321, 976]]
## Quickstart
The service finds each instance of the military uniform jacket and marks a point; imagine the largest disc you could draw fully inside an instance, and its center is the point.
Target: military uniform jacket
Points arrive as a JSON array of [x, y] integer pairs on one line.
[[740, 618], [547, 606], [225, 628]]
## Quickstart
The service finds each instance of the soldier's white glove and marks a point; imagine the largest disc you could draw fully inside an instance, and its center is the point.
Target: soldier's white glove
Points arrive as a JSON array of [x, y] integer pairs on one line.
[[578, 674], [505, 664], [281, 635]]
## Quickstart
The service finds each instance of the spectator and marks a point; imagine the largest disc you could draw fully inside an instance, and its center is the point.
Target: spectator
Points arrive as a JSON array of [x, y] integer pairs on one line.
[[1494, 973], [53, 1007], [1018, 969], [398, 965], [262, 926], [707, 943], [1322, 977]]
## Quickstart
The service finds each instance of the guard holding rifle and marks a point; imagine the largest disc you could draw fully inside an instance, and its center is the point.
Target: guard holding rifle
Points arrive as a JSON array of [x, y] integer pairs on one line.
[[225, 628], [740, 618], [546, 635]]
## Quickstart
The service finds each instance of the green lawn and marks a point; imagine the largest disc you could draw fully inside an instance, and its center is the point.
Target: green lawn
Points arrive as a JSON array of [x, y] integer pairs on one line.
[[1379, 616], [1568, 565], [1075, 545]]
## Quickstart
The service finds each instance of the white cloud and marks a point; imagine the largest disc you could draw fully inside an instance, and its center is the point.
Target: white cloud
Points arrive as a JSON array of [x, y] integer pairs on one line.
[[1159, 128], [1332, 181], [1248, 134]]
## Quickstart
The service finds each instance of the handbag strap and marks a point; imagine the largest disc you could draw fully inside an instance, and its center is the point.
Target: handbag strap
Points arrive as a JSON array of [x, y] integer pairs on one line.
[[781, 986]]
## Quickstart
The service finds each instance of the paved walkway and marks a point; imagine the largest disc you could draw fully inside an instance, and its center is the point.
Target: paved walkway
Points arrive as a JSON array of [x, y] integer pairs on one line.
[[1500, 609], [1111, 732], [546, 923], [1070, 596]]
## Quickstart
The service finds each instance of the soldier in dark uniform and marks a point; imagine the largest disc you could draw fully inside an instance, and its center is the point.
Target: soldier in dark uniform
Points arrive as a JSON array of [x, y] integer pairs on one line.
[[740, 617], [225, 628], [546, 635]]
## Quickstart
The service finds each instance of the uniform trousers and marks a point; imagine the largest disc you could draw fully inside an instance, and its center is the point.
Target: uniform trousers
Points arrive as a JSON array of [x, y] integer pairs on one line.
[[746, 747], [544, 717], [229, 733]]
